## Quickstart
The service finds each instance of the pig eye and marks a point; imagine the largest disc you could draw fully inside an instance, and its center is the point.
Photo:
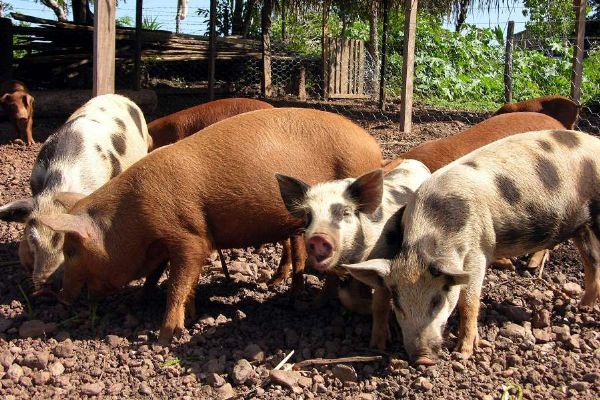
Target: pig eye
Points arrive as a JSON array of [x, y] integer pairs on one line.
[[347, 212], [307, 218], [435, 302]]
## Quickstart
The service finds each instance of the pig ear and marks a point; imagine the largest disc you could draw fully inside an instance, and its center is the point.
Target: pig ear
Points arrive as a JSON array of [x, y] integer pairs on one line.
[[80, 226], [372, 272], [17, 211], [293, 191], [68, 199], [367, 191], [4, 97], [453, 275], [29, 101]]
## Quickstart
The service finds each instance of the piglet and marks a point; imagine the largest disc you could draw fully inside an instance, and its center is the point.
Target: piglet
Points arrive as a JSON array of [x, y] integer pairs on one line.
[[560, 108], [17, 104], [99, 140], [518, 195]]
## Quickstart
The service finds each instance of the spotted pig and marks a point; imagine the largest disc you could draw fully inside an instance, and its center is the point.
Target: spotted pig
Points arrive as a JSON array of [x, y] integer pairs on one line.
[[100, 140], [518, 195]]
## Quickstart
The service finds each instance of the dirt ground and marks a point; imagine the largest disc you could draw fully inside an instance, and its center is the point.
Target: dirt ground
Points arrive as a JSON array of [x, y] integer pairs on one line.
[[535, 340]]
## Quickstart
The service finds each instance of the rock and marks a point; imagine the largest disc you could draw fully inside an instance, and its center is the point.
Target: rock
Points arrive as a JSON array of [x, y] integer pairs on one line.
[[288, 379], [62, 335], [226, 392], [513, 331], [64, 349], [305, 382], [591, 377], [113, 340], [563, 333], [344, 373], [115, 388], [239, 315], [6, 359], [542, 335], [541, 319], [41, 377], [145, 389], [92, 389], [572, 289], [573, 342], [56, 368], [517, 314], [254, 353], [33, 328], [242, 371], [14, 372], [579, 386], [26, 381], [221, 319], [422, 383], [37, 360], [5, 324], [216, 365], [215, 380]]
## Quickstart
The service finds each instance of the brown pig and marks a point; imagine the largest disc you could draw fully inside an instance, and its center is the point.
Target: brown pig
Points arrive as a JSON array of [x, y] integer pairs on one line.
[[17, 103], [179, 125], [558, 107], [208, 191]]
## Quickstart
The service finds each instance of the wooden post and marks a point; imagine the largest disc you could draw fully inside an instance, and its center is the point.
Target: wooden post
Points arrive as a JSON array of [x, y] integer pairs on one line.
[[508, 58], [212, 46], [408, 65], [384, 40], [267, 10], [137, 62], [6, 49], [579, 49], [325, 44], [104, 47], [302, 84]]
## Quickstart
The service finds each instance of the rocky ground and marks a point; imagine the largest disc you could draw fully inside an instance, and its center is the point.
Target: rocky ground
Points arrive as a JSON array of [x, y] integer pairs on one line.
[[536, 343]]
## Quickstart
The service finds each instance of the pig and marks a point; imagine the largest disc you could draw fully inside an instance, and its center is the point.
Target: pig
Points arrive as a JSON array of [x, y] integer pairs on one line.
[[353, 220], [174, 127], [560, 108], [520, 194], [208, 191], [17, 104], [98, 141]]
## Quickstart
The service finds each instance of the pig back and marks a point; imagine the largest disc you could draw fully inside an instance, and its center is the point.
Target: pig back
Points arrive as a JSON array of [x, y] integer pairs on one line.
[[227, 174]]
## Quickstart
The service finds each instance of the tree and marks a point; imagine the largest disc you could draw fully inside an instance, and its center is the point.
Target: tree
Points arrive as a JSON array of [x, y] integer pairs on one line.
[[81, 12], [58, 7], [549, 18]]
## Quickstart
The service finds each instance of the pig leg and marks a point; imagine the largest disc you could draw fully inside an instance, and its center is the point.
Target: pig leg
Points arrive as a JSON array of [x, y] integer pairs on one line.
[[589, 247], [285, 264], [298, 261], [29, 131], [329, 291], [186, 266], [380, 332], [538, 259], [151, 281], [468, 305]]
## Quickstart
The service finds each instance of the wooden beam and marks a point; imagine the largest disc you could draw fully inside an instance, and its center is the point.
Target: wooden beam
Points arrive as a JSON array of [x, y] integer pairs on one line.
[[266, 23], [384, 40], [508, 61], [212, 45], [137, 61], [6, 49], [408, 65], [325, 48], [578, 50], [104, 47]]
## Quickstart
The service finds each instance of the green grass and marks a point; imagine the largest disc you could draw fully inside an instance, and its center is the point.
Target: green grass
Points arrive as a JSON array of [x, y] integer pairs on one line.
[[170, 362], [30, 310], [506, 391]]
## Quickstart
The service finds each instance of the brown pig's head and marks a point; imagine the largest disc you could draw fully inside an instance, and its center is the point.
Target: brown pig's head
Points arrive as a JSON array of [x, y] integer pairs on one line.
[[424, 294], [18, 106], [85, 261]]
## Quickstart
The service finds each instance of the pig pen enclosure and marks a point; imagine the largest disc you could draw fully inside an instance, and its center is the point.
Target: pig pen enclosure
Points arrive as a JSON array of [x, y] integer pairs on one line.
[[535, 342]]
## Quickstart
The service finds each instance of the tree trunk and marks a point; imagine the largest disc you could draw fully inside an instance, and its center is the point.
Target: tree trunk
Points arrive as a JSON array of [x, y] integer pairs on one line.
[[372, 46], [283, 22], [249, 13], [236, 20], [461, 16], [56, 8], [81, 12]]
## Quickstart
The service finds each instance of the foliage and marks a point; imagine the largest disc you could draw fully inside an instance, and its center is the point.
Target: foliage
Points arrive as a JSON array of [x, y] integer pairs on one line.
[[549, 19], [151, 24], [125, 21]]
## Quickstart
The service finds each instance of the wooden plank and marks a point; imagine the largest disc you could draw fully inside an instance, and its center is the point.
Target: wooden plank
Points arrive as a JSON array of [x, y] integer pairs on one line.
[[348, 96], [361, 67], [104, 47], [344, 64], [331, 65], [508, 62], [137, 60], [325, 48], [410, 28], [578, 50], [212, 49]]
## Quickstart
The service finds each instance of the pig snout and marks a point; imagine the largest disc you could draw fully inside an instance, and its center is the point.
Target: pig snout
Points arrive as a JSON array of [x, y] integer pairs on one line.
[[320, 249]]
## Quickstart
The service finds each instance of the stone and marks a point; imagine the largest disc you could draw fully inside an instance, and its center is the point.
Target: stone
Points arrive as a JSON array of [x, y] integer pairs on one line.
[[542, 335], [226, 392], [591, 377], [56, 368], [573, 342], [33, 328], [6, 358], [541, 319], [572, 289], [288, 379], [216, 365], [41, 377], [92, 389], [254, 353], [14, 372], [579, 386], [563, 333], [113, 340], [36, 360], [145, 389], [305, 382], [517, 314], [115, 388], [513, 331], [221, 319], [242, 371], [64, 349], [215, 380], [5, 324], [344, 373], [422, 383]]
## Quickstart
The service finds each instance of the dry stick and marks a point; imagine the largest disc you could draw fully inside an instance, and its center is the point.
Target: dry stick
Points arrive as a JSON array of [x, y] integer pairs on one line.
[[268, 380], [224, 265], [325, 361]]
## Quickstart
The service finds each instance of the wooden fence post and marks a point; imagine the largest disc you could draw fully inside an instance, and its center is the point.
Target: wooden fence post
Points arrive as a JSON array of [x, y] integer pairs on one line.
[[408, 65], [266, 16], [302, 83], [579, 49], [104, 47], [137, 61], [6, 49], [212, 49], [508, 62], [325, 56], [384, 40]]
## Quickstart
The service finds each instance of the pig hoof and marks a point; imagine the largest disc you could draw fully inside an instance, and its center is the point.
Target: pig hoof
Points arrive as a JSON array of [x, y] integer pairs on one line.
[[426, 361], [503, 263], [378, 342], [276, 280]]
